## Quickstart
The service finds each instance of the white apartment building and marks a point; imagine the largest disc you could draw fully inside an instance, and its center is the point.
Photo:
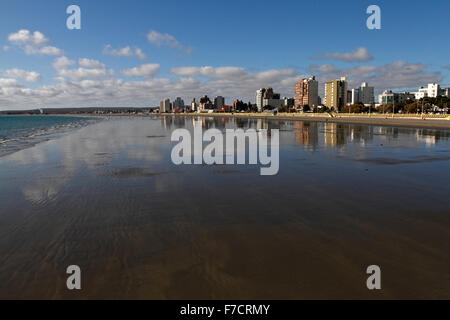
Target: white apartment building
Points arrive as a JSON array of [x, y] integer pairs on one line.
[[194, 105], [260, 98], [432, 91]]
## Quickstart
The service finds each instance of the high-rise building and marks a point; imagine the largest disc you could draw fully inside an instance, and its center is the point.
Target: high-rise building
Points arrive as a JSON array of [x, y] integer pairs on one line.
[[205, 103], [364, 94], [260, 98], [194, 105], [307, 92], [266, 97], [219, 102], [178, 103], [336, 94], [349, 96], [354, 97], [164, 106]]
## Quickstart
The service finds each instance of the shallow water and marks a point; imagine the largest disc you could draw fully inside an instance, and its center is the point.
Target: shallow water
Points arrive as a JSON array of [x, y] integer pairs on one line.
[[108, 198], [21, 132]]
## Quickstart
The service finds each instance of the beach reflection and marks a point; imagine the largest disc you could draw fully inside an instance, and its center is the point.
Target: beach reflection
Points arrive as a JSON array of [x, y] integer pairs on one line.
[[108, 198]]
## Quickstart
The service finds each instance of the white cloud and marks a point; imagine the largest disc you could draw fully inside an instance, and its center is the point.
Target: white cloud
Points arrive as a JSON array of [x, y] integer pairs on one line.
[[210, 72], [82, 88], [165, 39], [359, 55], [62, 63], [88, 69], [96, 86], [33, 43], [140, 54], [146, 70], [27, 38], [125, 52], [29, 76], [10, 83], [48, 50], [83, 73], [88, 63]]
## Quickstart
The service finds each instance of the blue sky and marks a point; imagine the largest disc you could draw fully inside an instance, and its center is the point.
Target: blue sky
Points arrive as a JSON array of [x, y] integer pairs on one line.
[[244, 45]]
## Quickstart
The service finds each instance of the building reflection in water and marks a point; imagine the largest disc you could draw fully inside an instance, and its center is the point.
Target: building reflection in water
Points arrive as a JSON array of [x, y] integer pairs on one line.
[[335, 135], [311, 134], [306, 133]]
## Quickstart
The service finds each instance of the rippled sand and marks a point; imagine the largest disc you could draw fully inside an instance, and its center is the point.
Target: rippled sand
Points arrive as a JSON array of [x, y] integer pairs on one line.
[[108, 198]]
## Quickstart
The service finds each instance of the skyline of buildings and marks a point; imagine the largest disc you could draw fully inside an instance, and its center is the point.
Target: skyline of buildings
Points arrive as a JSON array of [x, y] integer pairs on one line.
[[337, 95]]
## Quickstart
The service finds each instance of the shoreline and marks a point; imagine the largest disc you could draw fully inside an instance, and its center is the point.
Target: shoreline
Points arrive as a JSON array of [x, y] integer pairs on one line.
[[417, 123]]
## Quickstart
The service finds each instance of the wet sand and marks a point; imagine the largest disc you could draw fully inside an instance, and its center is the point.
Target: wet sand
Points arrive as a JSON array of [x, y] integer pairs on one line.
[[108, 199]]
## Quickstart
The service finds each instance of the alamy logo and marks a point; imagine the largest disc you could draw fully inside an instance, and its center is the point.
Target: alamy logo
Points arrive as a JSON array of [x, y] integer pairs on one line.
[[74, 20], [374, 280], [374, 21], [74, 280], [235, 147]]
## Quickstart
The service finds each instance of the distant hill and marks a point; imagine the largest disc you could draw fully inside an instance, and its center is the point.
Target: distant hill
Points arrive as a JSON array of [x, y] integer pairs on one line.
[[78, 111]]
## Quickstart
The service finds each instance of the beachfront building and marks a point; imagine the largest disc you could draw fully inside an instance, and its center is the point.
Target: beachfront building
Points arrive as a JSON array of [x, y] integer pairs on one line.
[[273, 103], [432, 91], [164, 106], [178, 103], [288, 102], [364, 94], [307, 93], [336, 94], [194, 105], [354, 97], [445, 92], [260, 98], [349, 97], [219, 102], [267, 98], [271, 99], [389, 97], [205, 104]]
